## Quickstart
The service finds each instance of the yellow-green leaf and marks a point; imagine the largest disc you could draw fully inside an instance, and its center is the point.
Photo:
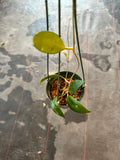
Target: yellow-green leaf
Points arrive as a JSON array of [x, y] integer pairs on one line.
[[65, 54], [48, 42], [2, 43]]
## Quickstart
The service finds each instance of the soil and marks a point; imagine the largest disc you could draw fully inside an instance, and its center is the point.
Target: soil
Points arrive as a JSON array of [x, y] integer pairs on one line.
[[63, 99]]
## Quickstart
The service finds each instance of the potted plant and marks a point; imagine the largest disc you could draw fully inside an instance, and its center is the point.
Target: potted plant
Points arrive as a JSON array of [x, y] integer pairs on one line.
[[64, 88]]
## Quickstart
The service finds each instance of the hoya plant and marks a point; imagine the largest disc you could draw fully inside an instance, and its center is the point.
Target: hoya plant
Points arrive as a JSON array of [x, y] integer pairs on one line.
[[65, 88]]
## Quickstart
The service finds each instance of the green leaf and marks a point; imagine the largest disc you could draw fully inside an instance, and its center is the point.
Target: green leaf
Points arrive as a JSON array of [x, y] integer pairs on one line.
[[2, 43], [76, 106], [51, 76], [75, 85], [65, 54], [56, 108], [48, 42]]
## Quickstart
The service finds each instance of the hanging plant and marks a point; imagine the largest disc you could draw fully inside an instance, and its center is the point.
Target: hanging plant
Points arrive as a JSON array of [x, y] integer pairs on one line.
[[71, 88], [63, 88]]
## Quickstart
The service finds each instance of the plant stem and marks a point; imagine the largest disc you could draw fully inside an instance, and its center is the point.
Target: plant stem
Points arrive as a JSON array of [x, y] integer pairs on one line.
[[68, 55], [74, 39], [78, 63], [69, 48]]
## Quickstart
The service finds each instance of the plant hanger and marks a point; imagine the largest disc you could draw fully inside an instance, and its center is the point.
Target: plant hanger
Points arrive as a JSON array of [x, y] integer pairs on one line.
[[75, 30], [47, 26], [78, 44]]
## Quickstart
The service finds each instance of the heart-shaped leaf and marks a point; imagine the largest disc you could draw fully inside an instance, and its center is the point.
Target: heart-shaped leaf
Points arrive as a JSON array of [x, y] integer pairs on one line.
[[51, 76], [75, 85], [48, 42], [56, 108], [74, 105]]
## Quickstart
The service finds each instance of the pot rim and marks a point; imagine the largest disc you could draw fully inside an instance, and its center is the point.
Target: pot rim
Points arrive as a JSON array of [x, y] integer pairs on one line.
[[63, 73]]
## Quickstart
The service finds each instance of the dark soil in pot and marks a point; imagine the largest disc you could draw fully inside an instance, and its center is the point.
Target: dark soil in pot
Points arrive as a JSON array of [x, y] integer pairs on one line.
[[62, 99], [52, 88]]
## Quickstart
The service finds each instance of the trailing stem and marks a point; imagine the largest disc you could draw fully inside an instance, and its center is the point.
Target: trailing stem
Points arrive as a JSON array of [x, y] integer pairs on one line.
[[74, 26], [67, 58], [73, 20], [78, 63], [66, 88], [71, 48], [68, 50]]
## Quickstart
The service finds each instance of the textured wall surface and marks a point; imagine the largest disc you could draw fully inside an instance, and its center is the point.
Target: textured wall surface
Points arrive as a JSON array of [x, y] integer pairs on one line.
[[29, 131]]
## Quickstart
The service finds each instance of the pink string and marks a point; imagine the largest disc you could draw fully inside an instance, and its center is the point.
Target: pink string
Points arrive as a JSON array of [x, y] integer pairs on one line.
[[115, 37], [44, 154], [88, 51]]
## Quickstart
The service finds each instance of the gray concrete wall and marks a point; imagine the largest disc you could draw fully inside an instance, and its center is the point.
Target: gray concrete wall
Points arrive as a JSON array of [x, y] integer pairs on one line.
[[29, 131]]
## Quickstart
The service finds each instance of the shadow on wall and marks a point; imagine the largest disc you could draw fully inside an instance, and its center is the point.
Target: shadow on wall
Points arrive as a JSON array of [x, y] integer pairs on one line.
[[40, 25], [31, 127], [32, 124], [13, 63], [71, 116], [116, 9], [30, 133], [99, 61]]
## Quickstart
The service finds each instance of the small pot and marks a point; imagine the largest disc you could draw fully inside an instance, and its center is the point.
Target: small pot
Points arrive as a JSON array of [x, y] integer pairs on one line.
[[63, 73]]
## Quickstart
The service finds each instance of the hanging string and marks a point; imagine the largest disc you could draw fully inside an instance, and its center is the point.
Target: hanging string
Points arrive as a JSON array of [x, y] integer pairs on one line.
[[47, 22], [59, 30], [73, 25], [78, 45]]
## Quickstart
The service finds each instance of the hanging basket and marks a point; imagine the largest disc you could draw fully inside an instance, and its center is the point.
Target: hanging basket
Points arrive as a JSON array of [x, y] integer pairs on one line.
[[55, 80]]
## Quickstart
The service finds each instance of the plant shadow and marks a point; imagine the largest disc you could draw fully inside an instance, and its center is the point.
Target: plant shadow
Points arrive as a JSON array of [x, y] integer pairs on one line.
[[31, 127], [71, 116]]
